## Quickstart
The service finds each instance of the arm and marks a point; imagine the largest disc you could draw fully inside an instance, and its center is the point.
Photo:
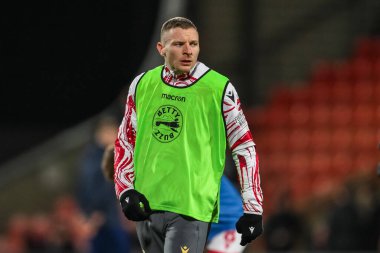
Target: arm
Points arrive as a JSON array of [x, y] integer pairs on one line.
[[134, 204], [243, 152], [247, 163], [125, 144]]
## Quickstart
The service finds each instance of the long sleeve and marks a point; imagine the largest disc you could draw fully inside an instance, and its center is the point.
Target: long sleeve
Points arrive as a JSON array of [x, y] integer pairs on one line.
[[243, 152], [125, 143]]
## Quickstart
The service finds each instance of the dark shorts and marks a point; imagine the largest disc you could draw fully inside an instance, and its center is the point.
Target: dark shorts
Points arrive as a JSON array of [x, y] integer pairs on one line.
[[170, 232]]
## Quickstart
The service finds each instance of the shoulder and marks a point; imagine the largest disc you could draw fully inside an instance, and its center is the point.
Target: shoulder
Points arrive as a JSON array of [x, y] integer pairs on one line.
[[201, 70], [136, 80], [230, 90]]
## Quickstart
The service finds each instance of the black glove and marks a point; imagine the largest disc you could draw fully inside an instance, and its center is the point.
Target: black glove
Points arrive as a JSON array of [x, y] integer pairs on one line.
[[249, 226], [135, 206]]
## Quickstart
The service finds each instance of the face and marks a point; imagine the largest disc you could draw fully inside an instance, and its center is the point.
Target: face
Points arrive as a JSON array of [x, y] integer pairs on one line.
[[180, 49]]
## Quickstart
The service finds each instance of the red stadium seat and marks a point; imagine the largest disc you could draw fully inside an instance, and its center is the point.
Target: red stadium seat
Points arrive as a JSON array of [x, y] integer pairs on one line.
[[299, 164], [299, 140], [342, 139], [376, 69], [377, 115], [364, 115], [361, 69], [364, 139], [320, 140], [277, 140], [364, 48], [364, 92], [341, 164], [280, 97], [320, 93], [299, 115], [322, 72], [365, 161], [276, 161], [255, 118], [320, 115], [341, 93], [342, 72], [341, 115], [301, 94], [320, 163]]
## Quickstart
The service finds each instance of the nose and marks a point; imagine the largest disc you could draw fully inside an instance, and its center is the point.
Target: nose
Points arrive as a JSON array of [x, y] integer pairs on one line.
[[187, 49]]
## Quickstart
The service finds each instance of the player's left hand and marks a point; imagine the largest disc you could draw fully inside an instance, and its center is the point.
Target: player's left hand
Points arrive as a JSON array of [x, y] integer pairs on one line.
[[249, 226]]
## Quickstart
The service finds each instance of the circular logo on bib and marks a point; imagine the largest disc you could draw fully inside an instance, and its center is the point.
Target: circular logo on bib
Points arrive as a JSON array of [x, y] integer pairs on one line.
[[167, 123]]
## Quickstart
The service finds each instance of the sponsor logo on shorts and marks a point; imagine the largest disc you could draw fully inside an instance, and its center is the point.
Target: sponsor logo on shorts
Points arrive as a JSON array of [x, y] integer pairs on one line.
[[185, 249]]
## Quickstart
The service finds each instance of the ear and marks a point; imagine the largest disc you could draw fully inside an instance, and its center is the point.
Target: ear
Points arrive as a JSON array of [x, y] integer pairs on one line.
[[161, 49]]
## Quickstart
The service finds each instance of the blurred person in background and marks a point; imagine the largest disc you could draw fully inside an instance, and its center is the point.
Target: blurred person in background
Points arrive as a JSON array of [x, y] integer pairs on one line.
[[96, 195], [354, 222], [171, 145]]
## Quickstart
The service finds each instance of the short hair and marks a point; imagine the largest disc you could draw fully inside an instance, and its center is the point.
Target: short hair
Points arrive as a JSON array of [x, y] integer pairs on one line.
[[175, 22]]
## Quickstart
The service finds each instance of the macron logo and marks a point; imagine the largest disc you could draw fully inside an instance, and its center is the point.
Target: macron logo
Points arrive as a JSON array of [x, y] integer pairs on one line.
[[251, 229]]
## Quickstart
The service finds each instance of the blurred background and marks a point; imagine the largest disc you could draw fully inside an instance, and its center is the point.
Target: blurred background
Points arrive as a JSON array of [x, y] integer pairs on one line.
[[308, 76]]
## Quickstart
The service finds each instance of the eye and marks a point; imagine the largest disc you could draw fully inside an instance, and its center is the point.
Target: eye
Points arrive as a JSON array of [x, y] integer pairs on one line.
[[194, 43]]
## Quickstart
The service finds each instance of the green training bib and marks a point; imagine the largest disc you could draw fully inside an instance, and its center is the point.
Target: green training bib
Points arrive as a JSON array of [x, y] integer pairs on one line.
[[180, 144]]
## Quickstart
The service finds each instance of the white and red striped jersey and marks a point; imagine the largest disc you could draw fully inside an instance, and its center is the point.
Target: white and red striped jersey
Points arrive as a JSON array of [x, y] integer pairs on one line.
[[239, 138]]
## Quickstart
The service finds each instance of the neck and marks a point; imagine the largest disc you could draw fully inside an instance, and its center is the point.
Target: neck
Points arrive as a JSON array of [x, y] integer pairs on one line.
[[177, 74]]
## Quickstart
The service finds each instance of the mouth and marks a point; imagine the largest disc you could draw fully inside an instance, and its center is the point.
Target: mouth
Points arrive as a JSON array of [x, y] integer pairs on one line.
[[186, 62]]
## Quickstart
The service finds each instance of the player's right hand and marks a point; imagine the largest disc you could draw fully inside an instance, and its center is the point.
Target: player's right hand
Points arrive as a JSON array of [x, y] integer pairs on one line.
[[135, 205]]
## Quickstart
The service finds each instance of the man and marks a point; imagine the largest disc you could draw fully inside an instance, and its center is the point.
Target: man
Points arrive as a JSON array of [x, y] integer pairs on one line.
[[170, 150]]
